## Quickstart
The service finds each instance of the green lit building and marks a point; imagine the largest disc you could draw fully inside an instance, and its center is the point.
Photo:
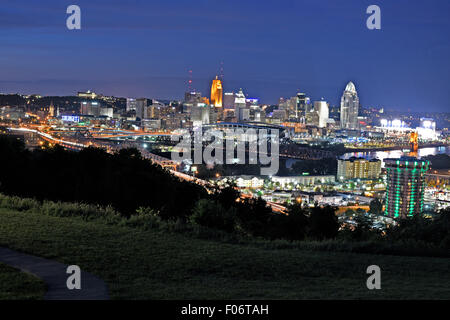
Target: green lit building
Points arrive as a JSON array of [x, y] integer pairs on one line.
[[405, 185]]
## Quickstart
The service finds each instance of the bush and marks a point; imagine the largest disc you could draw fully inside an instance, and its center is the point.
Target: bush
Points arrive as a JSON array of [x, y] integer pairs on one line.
[[292, 226], [211, 214], [17, 203], [144, 218], [285, 230], [323, 223]]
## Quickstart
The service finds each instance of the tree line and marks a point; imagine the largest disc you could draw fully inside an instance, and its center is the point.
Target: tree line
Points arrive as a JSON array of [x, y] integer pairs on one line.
[[128, 182]]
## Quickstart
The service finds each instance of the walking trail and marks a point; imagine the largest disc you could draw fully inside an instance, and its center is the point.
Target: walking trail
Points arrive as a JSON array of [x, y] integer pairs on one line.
[[54, 275]]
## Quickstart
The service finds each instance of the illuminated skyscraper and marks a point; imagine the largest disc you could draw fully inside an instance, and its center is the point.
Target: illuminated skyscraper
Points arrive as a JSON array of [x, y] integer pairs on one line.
[[303, 103], [241, 111], [321, 107], [405, 186], [349, 107], [216, 92]]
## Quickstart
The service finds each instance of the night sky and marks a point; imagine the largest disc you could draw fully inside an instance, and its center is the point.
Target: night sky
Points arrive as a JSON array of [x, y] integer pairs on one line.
[[269, 48]]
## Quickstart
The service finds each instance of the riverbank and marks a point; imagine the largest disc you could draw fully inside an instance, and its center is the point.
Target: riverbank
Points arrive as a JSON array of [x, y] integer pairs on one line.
[[396, 148]]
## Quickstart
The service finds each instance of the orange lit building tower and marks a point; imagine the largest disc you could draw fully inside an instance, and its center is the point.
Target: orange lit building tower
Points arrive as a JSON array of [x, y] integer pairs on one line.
[[216, 92], [414, 141]]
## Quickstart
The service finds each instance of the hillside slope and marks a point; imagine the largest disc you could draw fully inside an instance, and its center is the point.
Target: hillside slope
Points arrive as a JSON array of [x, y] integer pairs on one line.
[[140, 264]]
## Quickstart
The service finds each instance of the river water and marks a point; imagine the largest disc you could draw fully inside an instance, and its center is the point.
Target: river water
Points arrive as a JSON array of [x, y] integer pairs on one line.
[[422, 152]]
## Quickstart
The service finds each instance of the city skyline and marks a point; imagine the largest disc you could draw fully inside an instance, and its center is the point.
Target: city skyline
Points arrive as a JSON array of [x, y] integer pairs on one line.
[[270, 50], [208, 153]]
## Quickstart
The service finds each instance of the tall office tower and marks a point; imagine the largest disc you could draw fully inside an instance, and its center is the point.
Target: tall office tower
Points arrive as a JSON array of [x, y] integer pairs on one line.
[[193, 97], [155, 110], [280, 114], [308, 105], [241, 111], [141, 108], [200, 114], [405, 186], [85, 108], [228, 100], [284, 104], [358, 168], [131, 104], [321, 107], [216, 92], [312, 118], [302, 101], [91, 108], [291, 107], [349, 107], [256, 114]]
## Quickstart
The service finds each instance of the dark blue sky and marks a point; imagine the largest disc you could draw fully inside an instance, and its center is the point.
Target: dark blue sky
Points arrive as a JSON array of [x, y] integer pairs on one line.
[[269, 48]]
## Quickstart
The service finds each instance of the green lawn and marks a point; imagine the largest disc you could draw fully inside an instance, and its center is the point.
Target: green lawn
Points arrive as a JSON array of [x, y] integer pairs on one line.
[[140, 264], [18, 285]]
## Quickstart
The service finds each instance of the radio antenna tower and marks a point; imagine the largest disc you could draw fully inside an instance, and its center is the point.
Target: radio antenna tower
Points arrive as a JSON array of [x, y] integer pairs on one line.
[[190, 81], [221, 71]]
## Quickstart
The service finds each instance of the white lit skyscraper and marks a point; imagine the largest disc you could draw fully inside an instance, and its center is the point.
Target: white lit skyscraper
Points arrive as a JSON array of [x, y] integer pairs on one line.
[[349, 107], [240, 107], [321, 107]]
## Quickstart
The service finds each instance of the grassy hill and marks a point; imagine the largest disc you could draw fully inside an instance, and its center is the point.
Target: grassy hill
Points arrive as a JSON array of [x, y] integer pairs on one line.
[[156, 264], [16, 285]]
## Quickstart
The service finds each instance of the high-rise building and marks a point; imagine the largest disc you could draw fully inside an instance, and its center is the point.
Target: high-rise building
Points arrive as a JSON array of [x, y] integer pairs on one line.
[[155, 110], [291, 107], [280, 114], [228, 100], [312, 118], [303, 104], [349, 107], [141, 108], [192, 97], [131, 104], [321, 107], [216, 92], [91, 108], [358, 168], [405, 186], [241, 111], [200, 114]]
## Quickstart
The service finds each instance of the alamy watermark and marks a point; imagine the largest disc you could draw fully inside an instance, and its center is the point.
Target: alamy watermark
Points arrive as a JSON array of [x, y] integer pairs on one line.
[[74, 280], [374, 280], [374, 20], [74, 20], [230, 146]]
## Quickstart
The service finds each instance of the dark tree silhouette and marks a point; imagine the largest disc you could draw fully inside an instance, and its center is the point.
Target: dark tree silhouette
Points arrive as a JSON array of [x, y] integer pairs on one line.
[[323, 223]]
